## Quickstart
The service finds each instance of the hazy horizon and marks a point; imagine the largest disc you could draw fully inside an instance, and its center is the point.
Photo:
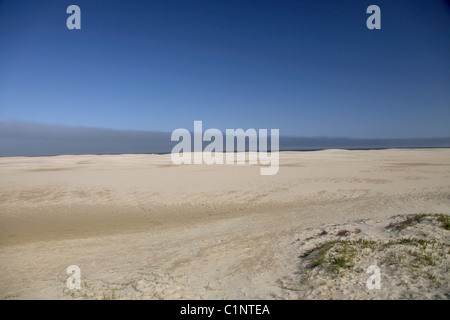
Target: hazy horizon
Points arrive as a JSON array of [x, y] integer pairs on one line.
[[37, 139]]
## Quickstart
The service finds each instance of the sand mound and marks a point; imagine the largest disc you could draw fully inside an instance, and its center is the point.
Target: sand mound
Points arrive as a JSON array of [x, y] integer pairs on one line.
[[411, 253]]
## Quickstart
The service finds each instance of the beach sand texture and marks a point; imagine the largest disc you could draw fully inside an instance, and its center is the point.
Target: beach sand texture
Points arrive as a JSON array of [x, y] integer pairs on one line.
[[140, 227]]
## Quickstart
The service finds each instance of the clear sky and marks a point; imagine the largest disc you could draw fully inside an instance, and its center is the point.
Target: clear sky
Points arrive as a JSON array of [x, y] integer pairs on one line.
[[308, 68]]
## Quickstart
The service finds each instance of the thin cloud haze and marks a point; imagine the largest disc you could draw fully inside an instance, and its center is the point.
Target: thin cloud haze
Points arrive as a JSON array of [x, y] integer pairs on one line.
[[33, 139]]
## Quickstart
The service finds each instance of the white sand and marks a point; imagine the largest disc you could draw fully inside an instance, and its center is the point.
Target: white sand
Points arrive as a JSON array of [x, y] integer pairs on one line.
[[140, 227]]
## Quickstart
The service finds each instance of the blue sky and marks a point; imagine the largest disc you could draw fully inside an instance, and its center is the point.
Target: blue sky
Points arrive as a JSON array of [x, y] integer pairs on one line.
[[309, 68]]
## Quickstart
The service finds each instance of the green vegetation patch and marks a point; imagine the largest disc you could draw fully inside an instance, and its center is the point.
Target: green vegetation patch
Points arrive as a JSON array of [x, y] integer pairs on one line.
[[339, 256], [414, 219]]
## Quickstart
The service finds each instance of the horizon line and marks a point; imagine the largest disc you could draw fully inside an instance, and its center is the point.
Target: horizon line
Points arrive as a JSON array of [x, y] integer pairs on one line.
[[66, 126]]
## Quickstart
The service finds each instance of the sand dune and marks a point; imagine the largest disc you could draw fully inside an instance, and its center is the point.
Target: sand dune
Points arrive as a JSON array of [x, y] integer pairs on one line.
[[140, 227]]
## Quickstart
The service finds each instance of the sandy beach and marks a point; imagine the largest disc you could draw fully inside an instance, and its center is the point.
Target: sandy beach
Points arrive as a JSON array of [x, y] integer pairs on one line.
[[140, 227]]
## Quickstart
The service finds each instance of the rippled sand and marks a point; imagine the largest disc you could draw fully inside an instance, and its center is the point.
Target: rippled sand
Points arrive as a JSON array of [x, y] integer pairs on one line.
[[140, 227]]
